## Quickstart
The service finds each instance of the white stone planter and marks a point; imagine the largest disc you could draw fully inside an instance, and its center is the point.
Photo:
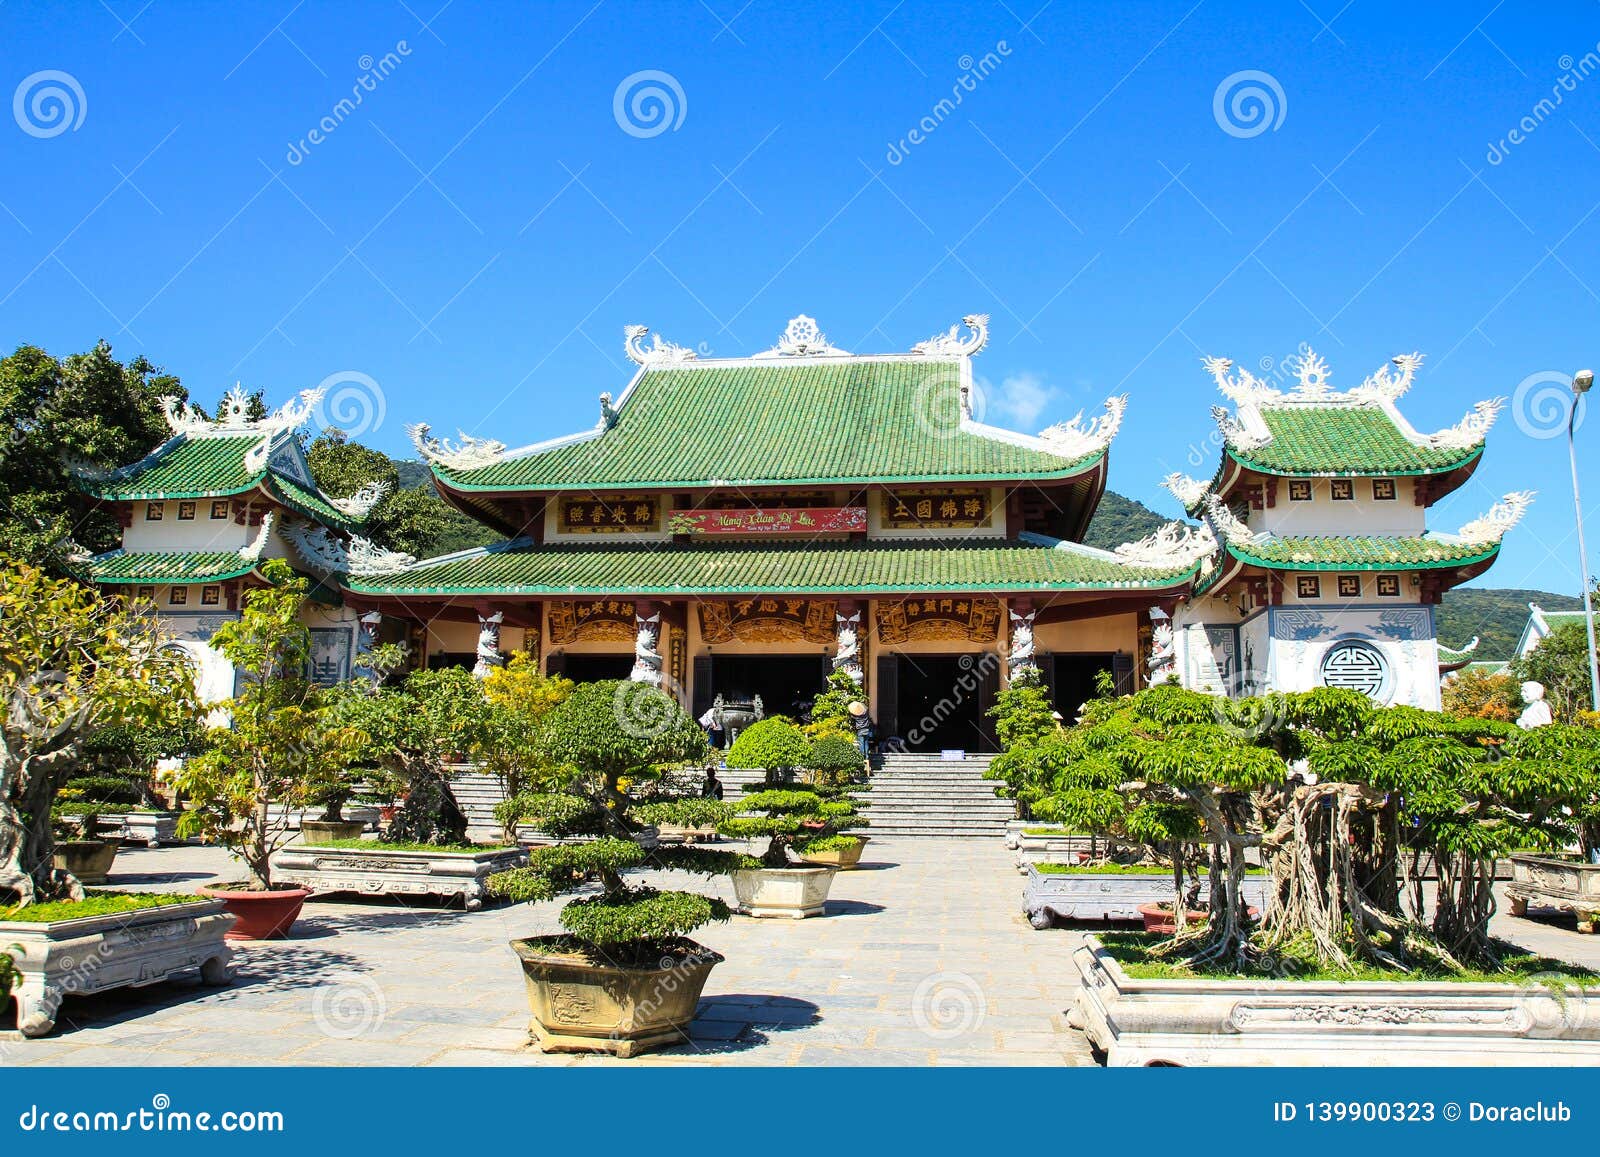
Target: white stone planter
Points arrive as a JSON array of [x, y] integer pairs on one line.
[[1056, 848], [121, 950], [1327, 1024], [1101, 896], [152, 829], [783, 893], [380, 871], [1015, 829], [1565, 882]]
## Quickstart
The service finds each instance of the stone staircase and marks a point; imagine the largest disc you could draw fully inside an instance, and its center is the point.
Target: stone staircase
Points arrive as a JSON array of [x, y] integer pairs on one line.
[[926, 796]]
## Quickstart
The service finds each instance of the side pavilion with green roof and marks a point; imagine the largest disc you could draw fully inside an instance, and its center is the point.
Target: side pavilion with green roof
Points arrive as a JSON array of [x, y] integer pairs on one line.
[[1325, 571], [203, 510], [738, 528]]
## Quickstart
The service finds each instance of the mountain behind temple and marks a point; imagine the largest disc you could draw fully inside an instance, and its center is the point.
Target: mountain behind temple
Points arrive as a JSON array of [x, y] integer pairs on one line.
[[1495, 615]]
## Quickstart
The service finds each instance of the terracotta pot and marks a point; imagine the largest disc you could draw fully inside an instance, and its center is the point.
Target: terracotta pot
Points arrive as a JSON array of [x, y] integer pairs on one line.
[[842, 858], [262, 915], [319, 833], [1158, 917], [88, 860], [581, 1006]]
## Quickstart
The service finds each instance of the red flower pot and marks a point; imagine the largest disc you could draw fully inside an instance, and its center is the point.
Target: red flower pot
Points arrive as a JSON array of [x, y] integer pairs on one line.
[[1159, 918], [261, 915]]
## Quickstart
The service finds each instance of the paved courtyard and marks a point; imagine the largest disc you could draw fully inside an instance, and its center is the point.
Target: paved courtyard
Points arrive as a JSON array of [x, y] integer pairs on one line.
[[924, 958]]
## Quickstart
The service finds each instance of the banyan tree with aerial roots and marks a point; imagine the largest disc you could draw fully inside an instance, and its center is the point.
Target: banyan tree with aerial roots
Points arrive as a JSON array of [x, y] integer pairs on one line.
[[1378, 827]]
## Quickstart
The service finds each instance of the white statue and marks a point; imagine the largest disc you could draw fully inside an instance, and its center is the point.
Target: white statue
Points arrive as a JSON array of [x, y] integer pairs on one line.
[[1537, 712], [647, 662], [1021, 658], [847, 655], [1163, 652], [488, 643]]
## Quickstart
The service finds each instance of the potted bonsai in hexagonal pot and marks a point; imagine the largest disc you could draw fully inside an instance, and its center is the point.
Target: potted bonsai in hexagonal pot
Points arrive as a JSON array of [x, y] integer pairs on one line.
[[786, 816], [833, 765], [623, 976]]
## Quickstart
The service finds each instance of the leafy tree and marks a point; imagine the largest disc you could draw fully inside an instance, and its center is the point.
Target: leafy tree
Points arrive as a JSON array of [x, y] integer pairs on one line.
[[835, 759], [282, 745], [71, 665], [1561, 663], [416, 731], [411, 519], [830, 710], [88, 407], [1023, 712], [610, 733], [788, 816], [1478, 694], [513, 743]]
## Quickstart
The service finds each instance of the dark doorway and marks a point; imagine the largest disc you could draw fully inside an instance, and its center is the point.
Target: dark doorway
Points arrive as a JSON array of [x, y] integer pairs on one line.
[[940, 701], [591, 668], [786, 683], [1072, 683]]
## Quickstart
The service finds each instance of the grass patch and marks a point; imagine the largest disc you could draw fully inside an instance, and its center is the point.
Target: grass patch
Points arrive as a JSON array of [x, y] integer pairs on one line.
[[379, 846], [1047, 832], [1132, 951], [96, 904], [1116, 870]]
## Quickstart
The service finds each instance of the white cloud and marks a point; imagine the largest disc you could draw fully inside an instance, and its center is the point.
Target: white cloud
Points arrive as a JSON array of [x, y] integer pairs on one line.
[[1018, 400]]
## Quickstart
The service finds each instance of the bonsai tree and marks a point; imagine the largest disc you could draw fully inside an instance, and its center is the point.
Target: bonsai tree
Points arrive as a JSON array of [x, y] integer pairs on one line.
[[71, 665], [611, 733], [416, 731], [788, 816], [1022, 713], [283, 744], [512, 744], [830, 710], [835, 760]]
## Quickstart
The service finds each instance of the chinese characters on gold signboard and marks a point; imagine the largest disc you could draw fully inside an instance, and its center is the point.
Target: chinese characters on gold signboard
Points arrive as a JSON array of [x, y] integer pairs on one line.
[[935, 509], [975, 620], [767, 620], [615, 515], [572, 622]]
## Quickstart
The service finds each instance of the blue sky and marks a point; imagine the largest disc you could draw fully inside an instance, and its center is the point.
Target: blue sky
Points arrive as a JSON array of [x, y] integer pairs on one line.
[[473, 236]]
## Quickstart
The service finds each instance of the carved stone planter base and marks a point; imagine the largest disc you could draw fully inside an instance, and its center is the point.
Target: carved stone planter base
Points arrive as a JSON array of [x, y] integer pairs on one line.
[[783, 893], [1566, 883], [121, 950], [1048, 897], [1326, 1024], [582, 1007], [378, 871]]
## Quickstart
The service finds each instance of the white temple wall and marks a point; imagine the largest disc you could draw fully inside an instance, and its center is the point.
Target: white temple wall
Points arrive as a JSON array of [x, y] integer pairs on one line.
[[168, 533], [1103, 635], [1362, 514]]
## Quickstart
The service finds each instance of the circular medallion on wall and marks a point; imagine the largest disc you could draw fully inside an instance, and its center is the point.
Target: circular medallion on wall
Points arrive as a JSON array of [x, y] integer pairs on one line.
[[1359, 666]]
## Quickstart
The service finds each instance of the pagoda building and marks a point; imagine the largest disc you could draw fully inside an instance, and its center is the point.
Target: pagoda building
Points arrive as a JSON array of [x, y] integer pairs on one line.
[[203, 511], [738, 528], [1325, 573]]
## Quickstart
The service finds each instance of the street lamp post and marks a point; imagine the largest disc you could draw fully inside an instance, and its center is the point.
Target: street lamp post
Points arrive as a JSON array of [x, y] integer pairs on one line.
[[1581, 381]]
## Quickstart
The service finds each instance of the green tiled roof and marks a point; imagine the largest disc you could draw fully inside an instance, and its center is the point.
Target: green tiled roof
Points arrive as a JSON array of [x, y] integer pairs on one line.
[[171, 566], [213, 468], [1344, 440], [965, 565], [190, 468], [852, 421], [1361, 552], [310, 503]]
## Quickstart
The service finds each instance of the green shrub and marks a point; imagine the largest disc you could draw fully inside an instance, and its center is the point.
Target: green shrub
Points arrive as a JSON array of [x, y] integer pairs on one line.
[[609, 733], [835, 758], [105, 789], [771, 744], [95, 904]]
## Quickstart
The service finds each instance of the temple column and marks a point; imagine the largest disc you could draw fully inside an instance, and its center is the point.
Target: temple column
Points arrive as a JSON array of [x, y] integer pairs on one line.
[[647, 662], [488, 642], [1020, 653]]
